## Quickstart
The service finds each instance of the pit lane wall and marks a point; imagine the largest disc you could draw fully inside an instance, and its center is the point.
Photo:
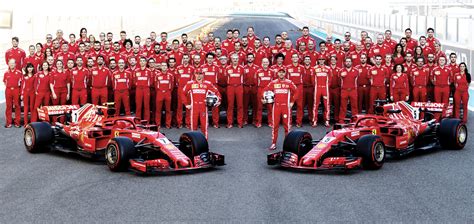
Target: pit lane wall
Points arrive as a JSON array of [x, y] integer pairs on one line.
[[34, 29], [320, 28]]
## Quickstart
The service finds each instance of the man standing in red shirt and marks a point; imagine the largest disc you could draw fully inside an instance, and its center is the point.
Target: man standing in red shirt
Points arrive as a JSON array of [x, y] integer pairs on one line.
[[335, 87], [185, 73], [349, 81], [363, 90], [322, 76], [379, 49], [378, 78], [60, 84], [12, 80], [250, 90], [411, 42], [295, 74], [338, 53], [142, 78], [79, 82], [228, 43], [285, 94], [430, 39], [305, 38], [235, 91], [100, 80], [196, 91], [308, 86], [211, 74], [391, 43], [441, 81], [288, 51], [164, 81], [15, 53], [275, 49], [264, 77], [419, 79], [121, 83]]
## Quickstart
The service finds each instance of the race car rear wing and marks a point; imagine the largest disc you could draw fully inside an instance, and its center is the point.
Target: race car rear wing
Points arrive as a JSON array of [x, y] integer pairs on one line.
[[47, 113], [445, 110]]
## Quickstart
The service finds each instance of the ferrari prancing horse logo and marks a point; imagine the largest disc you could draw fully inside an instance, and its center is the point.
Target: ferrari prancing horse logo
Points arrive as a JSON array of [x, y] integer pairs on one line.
[[374, 131]]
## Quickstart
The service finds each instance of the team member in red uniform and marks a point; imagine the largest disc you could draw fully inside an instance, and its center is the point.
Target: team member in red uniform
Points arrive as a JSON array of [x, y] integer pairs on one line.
[[349, 83], [251, 36], [60, 85], [42, 89], [441, 81], [295, 74], [164, 81], [250, 89], [285, 95], [363, 90], [211, 74], [288, 51], [312, 54], [65, 54], [347, 40], [15, 53], [228, 43], [338, 53], [142, 78], [335, 87], [419, 79], [430, 64], [431, 40], [121, 83], [235, 91], [184, 75], [378, 77], [391, 43], [264, 77], [278, 63], [398, 55], [238, 50], [28, 91], [195, 93], [322, 76], [79, 82], [260, 52], [175, 52], [452, 63], [308, 86], [33, 58], [99, 82], [305, 38], [411, 42], [380, 48], [399, 85], [461, 80], [12, 80]]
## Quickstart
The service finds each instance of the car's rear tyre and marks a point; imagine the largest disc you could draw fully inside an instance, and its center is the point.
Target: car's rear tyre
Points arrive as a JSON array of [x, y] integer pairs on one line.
[[118, 153], [298, 142], [372, 151], [193, 144], [38, 137], [452, 134]]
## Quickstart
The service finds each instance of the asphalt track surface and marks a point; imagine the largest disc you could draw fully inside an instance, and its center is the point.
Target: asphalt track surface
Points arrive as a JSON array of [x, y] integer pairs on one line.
[[435, 187]]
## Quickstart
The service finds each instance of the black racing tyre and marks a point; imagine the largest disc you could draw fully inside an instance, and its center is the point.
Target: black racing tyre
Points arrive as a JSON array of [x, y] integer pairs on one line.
[[38, 137], [452, 134], [118, 152], [299, 142], [193, 144], [372, 151]]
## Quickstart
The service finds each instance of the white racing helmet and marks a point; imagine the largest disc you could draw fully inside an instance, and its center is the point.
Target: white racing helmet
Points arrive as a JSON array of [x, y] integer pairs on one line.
[[269, 97], [211, 99]]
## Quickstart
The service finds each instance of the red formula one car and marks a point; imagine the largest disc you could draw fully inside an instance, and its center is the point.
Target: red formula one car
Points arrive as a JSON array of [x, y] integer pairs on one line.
[[397, 129], [126, 142]]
